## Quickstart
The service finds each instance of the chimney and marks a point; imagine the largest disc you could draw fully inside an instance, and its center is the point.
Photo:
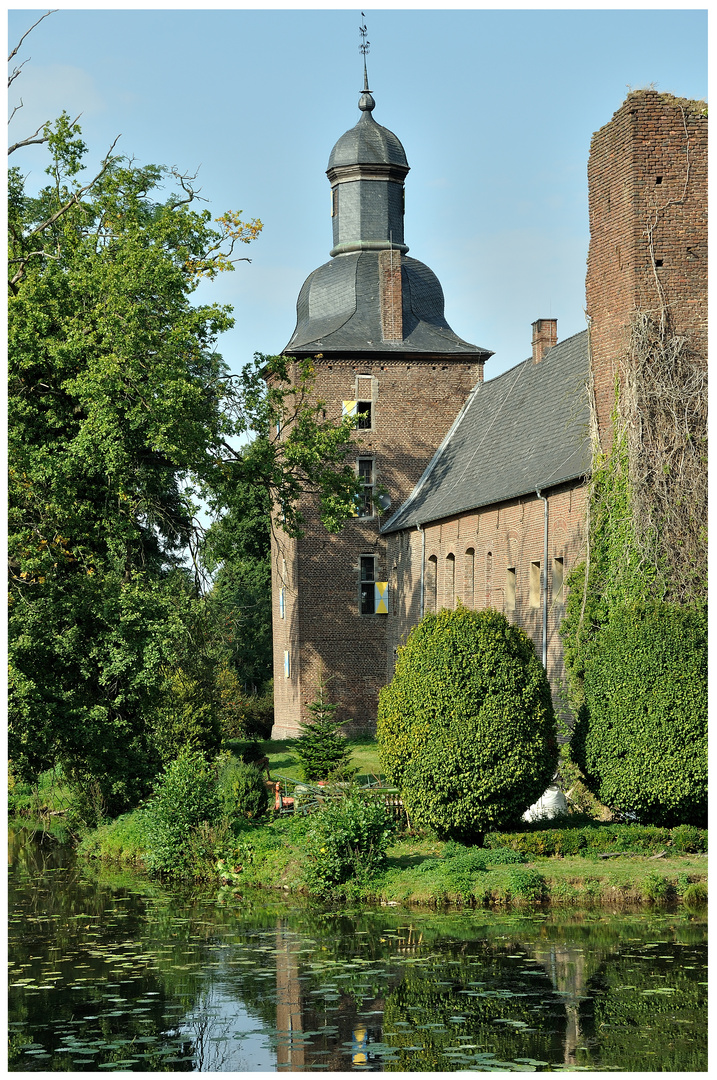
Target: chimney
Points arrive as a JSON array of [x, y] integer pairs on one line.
[[545, 335], [390, 295]]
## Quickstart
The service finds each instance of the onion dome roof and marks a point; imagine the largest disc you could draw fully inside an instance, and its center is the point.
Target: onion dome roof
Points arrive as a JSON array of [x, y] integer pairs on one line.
[[368, 143]]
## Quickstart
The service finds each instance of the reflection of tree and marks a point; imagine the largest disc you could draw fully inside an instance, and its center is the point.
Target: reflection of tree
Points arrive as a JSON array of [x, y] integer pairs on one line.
[[646, 1012], [484, 992]]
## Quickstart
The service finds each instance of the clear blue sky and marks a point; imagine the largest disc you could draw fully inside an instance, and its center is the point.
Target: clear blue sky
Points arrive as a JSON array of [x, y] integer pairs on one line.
[[495, 109]]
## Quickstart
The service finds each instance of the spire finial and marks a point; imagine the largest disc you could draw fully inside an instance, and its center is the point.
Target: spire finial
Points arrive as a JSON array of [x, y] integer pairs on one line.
[[366, 102]]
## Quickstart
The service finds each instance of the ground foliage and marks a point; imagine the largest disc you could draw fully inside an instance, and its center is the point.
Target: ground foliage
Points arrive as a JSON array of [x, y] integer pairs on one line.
[[466, 728]]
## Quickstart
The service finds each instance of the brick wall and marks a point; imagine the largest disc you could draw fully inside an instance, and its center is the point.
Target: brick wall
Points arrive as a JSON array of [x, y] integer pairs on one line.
[[473, 553], [647, 182], [414, 404]]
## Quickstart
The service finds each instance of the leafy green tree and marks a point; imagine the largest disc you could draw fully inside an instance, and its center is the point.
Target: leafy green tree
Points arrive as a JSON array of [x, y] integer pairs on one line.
[[466, 727], [121, 417], [641, 735], [237, 547]]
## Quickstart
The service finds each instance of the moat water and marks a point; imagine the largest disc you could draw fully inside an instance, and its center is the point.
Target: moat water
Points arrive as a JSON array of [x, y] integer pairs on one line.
[[116, 972]]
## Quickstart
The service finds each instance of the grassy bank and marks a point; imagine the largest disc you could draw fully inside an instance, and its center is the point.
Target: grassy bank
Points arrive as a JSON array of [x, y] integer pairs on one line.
[[575, 862], [427, 871]]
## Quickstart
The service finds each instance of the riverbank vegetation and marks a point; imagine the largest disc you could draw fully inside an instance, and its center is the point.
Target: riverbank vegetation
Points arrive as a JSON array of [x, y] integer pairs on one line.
[[354, 850]]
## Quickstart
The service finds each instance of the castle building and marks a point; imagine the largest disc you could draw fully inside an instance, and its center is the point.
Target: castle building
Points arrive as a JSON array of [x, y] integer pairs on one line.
[[487, 480]]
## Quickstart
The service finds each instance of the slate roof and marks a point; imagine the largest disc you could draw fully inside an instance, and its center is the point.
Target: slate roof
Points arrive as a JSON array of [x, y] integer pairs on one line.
[[368, 143], [338, 311], [526, 428]]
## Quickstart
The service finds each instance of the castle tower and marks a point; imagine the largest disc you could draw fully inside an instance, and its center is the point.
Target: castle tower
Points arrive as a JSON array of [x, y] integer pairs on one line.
[[647, 184], [373, 319]]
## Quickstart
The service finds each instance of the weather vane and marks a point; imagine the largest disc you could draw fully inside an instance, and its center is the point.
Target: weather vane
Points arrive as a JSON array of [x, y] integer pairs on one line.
[[363, 49]]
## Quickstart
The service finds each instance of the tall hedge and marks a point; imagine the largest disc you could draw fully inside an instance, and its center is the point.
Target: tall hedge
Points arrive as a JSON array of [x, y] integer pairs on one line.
[[466, 728], [641, 736]]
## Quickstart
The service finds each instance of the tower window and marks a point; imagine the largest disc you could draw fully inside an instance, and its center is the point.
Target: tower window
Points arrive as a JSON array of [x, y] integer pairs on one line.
[[658, 179], [658, 262], [334, 201], [367, 584], [366, 475], [364, 413]]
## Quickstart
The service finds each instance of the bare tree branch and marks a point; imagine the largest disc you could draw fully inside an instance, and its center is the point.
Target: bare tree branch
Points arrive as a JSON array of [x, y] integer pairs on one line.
[[15, 50], [30, 141], [15, 72]]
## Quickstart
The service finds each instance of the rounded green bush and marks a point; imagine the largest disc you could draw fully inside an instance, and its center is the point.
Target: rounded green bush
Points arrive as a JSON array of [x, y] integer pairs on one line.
[[641, 737], [466, 728], [347, 841], [185, 797]]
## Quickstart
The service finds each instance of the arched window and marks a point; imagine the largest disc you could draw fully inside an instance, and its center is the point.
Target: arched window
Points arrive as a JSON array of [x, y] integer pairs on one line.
[[450, 581], [431, 583], [488, 578], [469, 578]]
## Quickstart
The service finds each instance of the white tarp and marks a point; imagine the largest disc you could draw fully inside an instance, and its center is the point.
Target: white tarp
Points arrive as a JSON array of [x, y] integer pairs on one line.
[[551, 803]]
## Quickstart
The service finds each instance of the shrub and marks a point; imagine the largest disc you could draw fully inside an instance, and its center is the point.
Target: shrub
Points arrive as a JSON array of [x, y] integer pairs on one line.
[[185, 797], [242, 790], [502, 856], [688, 838], [466, 728], [641, 736], [348, 840], [322, 751], [657, 888], [528, 884], [695, 895], [596, 838]]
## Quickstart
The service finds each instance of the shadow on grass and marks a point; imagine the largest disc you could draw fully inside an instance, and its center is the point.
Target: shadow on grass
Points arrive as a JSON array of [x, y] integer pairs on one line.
[[407, 862]]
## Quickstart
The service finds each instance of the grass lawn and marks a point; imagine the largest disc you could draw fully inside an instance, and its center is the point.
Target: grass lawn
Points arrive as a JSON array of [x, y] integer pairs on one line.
[[364, 757]]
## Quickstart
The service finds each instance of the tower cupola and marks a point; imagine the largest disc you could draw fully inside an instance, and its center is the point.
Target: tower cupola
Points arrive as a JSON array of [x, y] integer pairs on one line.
[[366, 170], [371, 297]]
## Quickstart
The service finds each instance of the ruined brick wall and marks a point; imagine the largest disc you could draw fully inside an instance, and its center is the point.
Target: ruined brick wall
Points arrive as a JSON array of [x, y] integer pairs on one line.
[[647, 184], [414, 402], [475, 552]]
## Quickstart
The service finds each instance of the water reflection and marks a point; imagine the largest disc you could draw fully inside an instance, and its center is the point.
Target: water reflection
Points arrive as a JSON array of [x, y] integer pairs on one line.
[[120, 973]]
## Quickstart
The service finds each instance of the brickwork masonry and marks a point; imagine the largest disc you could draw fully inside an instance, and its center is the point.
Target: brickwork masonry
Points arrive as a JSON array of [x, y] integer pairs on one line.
[[413, 404], [647, 185], [492, 557]]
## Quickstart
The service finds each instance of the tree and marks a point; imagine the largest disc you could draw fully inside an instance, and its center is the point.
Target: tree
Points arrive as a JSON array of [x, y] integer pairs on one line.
[[466, 727], [321, 749], [641, 735], [121, 416]]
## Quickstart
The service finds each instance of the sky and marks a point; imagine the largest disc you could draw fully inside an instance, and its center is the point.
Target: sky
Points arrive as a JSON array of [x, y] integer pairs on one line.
[[495, 109]]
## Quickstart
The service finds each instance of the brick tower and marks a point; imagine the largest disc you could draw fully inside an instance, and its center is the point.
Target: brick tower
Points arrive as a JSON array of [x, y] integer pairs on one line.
[[373, 319], [647, 183]]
